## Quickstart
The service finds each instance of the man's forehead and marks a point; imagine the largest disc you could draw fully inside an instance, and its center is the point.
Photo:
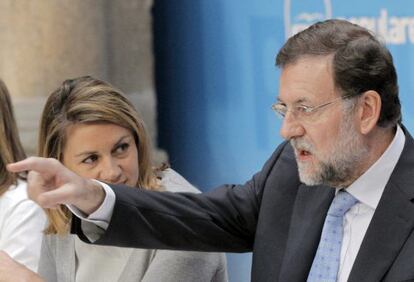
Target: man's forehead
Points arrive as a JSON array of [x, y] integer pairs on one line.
[[311, 63], [308, 79]]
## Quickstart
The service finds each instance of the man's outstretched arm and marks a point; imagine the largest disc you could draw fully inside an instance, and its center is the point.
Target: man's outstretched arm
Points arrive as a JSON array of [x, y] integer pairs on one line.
[[50, 184], [221, 220]]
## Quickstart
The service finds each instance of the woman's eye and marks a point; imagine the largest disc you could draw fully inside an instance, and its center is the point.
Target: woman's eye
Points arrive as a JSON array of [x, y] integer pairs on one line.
[[122, 148], [91, 159]]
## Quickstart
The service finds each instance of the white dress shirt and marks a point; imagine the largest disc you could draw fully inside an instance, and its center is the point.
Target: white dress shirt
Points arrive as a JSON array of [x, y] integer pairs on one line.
[[367, 189]]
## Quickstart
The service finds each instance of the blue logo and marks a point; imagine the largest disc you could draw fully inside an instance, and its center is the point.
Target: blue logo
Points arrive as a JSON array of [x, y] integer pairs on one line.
[[392, 29]]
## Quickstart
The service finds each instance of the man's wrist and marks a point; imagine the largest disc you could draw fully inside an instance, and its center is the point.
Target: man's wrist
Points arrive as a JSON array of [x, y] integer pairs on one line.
[[102, 215], [95, 195]]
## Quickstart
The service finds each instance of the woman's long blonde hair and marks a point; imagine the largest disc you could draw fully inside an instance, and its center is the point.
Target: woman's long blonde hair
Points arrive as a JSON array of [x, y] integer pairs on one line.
[[11, 149], [89, 100]]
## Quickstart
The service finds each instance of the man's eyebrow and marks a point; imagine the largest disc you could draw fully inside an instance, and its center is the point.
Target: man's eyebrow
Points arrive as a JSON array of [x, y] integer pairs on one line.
[[298, 101]]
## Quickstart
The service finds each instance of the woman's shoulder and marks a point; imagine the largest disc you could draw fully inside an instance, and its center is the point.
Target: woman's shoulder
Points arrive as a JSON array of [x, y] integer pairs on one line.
[[15, 202], [172, 181], [15, 193], [212, 258], [201, 266], [58, 244], [57, 240]]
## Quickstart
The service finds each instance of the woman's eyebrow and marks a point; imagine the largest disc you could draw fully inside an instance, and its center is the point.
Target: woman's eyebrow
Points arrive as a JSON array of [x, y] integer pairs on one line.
[[85, 153]]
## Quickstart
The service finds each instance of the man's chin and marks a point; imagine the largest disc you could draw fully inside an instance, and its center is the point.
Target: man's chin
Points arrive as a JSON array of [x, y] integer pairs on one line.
[[309, 181], [308, 177]]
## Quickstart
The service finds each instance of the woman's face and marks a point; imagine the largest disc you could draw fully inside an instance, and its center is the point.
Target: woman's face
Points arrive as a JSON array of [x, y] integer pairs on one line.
[[102, 151]]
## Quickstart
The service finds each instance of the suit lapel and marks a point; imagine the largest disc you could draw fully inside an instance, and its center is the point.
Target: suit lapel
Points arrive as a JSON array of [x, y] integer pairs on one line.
[[311, 206], [136, 265], [65, 257], [392, 223], [72, 259]]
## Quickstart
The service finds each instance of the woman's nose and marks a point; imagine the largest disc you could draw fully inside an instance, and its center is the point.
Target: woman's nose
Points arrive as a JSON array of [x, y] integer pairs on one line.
[[111, 171]]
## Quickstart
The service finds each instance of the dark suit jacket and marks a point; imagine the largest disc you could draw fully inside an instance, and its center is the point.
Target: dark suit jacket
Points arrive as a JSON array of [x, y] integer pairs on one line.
[[273, 215]]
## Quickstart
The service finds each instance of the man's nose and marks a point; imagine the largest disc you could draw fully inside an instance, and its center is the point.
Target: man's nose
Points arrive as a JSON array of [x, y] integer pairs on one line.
[[291, 127]]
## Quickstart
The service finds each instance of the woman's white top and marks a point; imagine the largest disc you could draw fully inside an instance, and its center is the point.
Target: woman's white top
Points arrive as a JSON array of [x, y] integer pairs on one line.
[[22, 222]]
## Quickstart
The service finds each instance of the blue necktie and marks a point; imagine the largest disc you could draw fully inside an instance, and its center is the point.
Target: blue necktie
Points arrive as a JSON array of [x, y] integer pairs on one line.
[[326, 262]]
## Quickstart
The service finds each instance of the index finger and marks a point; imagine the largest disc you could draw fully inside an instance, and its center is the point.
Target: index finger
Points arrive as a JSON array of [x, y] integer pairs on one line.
[[38, 164]]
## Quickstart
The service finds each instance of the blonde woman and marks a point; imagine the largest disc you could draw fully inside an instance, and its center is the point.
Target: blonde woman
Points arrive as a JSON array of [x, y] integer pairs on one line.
[[21, 220], [95, 131]]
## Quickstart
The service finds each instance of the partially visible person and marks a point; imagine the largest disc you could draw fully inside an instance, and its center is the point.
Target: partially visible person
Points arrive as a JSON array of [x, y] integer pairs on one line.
[[10, 270], [95, 131], [21, 220]]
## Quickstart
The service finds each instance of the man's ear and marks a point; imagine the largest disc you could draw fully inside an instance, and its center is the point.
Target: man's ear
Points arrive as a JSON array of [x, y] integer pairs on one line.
[[369, 109]]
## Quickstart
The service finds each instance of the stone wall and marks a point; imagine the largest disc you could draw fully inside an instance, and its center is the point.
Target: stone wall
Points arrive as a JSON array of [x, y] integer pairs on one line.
[[45, 42]]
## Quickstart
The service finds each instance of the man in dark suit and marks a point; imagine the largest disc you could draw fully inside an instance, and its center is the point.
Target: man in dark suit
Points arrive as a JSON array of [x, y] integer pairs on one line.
[[339, 102]]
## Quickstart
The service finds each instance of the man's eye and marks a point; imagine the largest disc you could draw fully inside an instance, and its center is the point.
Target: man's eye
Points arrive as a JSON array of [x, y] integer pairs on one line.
[[303, 109], [279, 109], [91, 159]]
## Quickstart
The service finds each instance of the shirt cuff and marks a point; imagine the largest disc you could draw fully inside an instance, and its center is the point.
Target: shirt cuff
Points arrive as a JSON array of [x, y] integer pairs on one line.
[[102, 216]]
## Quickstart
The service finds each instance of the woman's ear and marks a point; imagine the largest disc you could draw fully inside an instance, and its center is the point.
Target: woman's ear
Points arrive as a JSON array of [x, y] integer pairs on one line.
[[369, 109]]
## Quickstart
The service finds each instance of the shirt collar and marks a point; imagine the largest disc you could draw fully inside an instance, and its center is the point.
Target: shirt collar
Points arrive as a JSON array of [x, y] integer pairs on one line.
[[368, 188]]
